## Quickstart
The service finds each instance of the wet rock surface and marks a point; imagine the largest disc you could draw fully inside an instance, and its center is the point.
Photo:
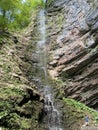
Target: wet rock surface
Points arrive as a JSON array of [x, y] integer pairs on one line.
[[74, 49]]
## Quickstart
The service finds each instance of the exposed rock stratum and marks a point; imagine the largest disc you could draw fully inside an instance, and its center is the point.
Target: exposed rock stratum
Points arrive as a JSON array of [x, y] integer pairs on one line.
[[73, 40]]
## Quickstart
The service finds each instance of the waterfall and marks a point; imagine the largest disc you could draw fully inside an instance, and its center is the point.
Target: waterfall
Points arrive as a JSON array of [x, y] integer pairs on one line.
[[52, 120]]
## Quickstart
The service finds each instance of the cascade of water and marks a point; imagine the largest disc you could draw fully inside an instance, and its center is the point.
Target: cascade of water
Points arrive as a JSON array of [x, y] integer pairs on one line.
[[41, 46], [53, 118]]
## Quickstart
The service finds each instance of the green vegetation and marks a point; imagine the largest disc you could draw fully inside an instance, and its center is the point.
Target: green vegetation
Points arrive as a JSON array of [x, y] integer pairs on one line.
[[37, 3], [14, 83], [16, 14], [83, 109]]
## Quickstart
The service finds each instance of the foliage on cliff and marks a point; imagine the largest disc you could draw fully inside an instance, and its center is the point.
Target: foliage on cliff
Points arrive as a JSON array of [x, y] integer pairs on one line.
[[18, 96], [75, 114]]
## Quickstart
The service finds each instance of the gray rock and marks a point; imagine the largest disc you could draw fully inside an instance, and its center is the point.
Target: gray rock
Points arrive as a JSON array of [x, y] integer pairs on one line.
[[58, 3], [94, 27], [92, 18], [83, 27]]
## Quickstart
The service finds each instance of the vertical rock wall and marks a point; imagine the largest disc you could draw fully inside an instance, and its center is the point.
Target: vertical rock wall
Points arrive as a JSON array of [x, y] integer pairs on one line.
[[73, 44]]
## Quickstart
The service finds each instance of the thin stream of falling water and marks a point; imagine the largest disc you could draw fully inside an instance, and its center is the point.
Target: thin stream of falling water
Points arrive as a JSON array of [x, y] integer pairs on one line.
[[41, 46], [53, 115]]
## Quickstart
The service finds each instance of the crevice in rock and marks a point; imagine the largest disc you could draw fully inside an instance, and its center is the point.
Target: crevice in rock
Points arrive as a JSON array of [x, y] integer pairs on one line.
[[95, 106], [31, 96]]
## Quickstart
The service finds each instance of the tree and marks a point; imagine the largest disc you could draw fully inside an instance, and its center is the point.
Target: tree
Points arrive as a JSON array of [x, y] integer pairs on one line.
[[16, 13], [8, 9]]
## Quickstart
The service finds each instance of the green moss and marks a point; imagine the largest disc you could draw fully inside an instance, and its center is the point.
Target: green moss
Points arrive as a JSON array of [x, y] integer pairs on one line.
[[3, 114], [15, 116], [9, 99], [8, 92]]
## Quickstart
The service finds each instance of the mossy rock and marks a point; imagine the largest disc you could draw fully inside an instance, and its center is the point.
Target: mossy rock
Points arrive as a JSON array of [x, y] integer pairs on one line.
[[16, 117], [49, 3]]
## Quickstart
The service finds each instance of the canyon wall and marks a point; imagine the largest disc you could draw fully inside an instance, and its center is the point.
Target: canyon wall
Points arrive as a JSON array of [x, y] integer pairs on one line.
[[73, 47]]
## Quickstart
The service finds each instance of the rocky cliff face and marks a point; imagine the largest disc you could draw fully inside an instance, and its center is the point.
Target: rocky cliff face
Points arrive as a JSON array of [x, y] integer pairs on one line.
[[19, 97], [72, 29], [73, 47]]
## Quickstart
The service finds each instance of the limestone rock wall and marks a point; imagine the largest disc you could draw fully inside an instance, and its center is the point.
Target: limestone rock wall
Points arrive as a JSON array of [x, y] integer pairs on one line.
[[73, 47]]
